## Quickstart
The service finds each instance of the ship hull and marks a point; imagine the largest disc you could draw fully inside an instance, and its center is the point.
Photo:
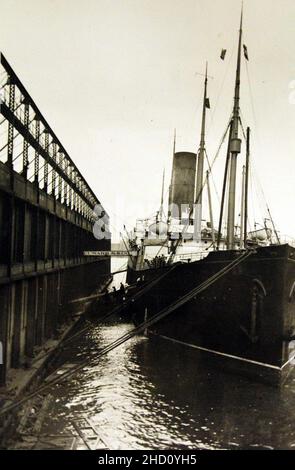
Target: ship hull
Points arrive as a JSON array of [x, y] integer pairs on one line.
[[244, 321]]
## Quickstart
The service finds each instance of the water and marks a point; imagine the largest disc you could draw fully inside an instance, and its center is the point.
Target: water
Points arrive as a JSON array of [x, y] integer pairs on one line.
[[150, 394], [153, 394]]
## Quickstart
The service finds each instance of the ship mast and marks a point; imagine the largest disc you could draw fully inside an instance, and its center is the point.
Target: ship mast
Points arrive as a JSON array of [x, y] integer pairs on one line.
[[201, 157], [235, 148], [170, 187], [162, 196]]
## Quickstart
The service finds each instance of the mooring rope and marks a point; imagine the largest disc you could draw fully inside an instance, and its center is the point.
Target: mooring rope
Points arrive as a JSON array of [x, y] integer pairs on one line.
[[112, 312], [138, 329]]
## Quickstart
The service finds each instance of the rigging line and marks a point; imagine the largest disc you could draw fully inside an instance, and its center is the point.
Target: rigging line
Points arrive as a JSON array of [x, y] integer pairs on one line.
[[179, 240], [104, 207], [242, 126], [188, 295], [255, 172], [165, 244], [192, 293], [212, 115], [126, 247], [114, 228], [249, 224], [257, 184], [131, 333], [256, 180], [210, 171], [154, 213], [151, 216], [89, 327], [252, 199], [109, 211], [261, 201], [251, 98], [121, 267], [196, 112], [260, 187], [254, 115], [221, 143]]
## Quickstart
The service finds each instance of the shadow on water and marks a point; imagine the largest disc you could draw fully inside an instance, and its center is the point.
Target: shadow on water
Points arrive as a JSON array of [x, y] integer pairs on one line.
[[153, 394], [221, 409]]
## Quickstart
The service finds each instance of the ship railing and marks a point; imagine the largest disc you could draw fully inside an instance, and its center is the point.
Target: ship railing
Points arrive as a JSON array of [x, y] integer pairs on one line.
[[287, 239], [192, 256]]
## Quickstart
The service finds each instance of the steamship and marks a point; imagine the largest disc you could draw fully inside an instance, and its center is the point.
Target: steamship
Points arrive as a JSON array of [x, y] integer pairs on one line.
[[230, 296]]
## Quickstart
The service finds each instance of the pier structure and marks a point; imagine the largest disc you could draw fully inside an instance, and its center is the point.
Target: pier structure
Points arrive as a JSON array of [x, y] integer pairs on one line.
[[46, 224]]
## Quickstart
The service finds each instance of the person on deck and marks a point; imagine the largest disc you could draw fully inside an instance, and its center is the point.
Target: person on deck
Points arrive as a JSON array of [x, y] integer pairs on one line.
[[114, 294], [122, 291], [122, 288]]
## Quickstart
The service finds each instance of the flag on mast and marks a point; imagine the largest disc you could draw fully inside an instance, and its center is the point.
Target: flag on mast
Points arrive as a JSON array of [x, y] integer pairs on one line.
[[222, 55], [207, 103], [245, 52]]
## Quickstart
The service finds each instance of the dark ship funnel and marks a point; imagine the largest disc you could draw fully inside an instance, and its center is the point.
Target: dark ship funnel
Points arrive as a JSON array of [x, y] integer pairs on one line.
[[182, 189]]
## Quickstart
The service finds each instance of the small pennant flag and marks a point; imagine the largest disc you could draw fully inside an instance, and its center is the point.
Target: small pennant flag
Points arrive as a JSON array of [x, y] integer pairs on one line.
[[245, 52], [207, 103], [222, 55]]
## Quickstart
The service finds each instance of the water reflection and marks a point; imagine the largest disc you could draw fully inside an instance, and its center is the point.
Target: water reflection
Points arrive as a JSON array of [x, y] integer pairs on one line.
[[152, 394]]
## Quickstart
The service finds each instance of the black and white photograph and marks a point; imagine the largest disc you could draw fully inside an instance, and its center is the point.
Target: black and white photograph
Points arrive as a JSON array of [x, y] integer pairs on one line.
[[147, 230]]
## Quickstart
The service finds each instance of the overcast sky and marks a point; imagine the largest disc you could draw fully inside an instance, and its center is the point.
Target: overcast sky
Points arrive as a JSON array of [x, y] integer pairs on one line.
[[115, 77]]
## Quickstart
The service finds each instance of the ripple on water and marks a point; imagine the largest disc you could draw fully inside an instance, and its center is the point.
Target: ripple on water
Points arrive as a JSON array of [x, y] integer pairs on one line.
[[143, 395]]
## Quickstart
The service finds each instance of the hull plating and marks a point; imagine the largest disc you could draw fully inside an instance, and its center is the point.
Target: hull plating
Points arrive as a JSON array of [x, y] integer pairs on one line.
[[244, 320]]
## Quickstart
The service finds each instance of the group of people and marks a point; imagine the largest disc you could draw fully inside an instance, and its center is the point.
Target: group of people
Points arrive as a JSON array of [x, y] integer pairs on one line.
[[118, 295], [157, 262]]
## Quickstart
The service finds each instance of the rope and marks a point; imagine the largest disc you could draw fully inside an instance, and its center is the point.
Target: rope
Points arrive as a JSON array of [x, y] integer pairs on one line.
[[164, 244], [115, 310], [200, 192], [210, 172], [130, 334], [212, 115], [252, 99]]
